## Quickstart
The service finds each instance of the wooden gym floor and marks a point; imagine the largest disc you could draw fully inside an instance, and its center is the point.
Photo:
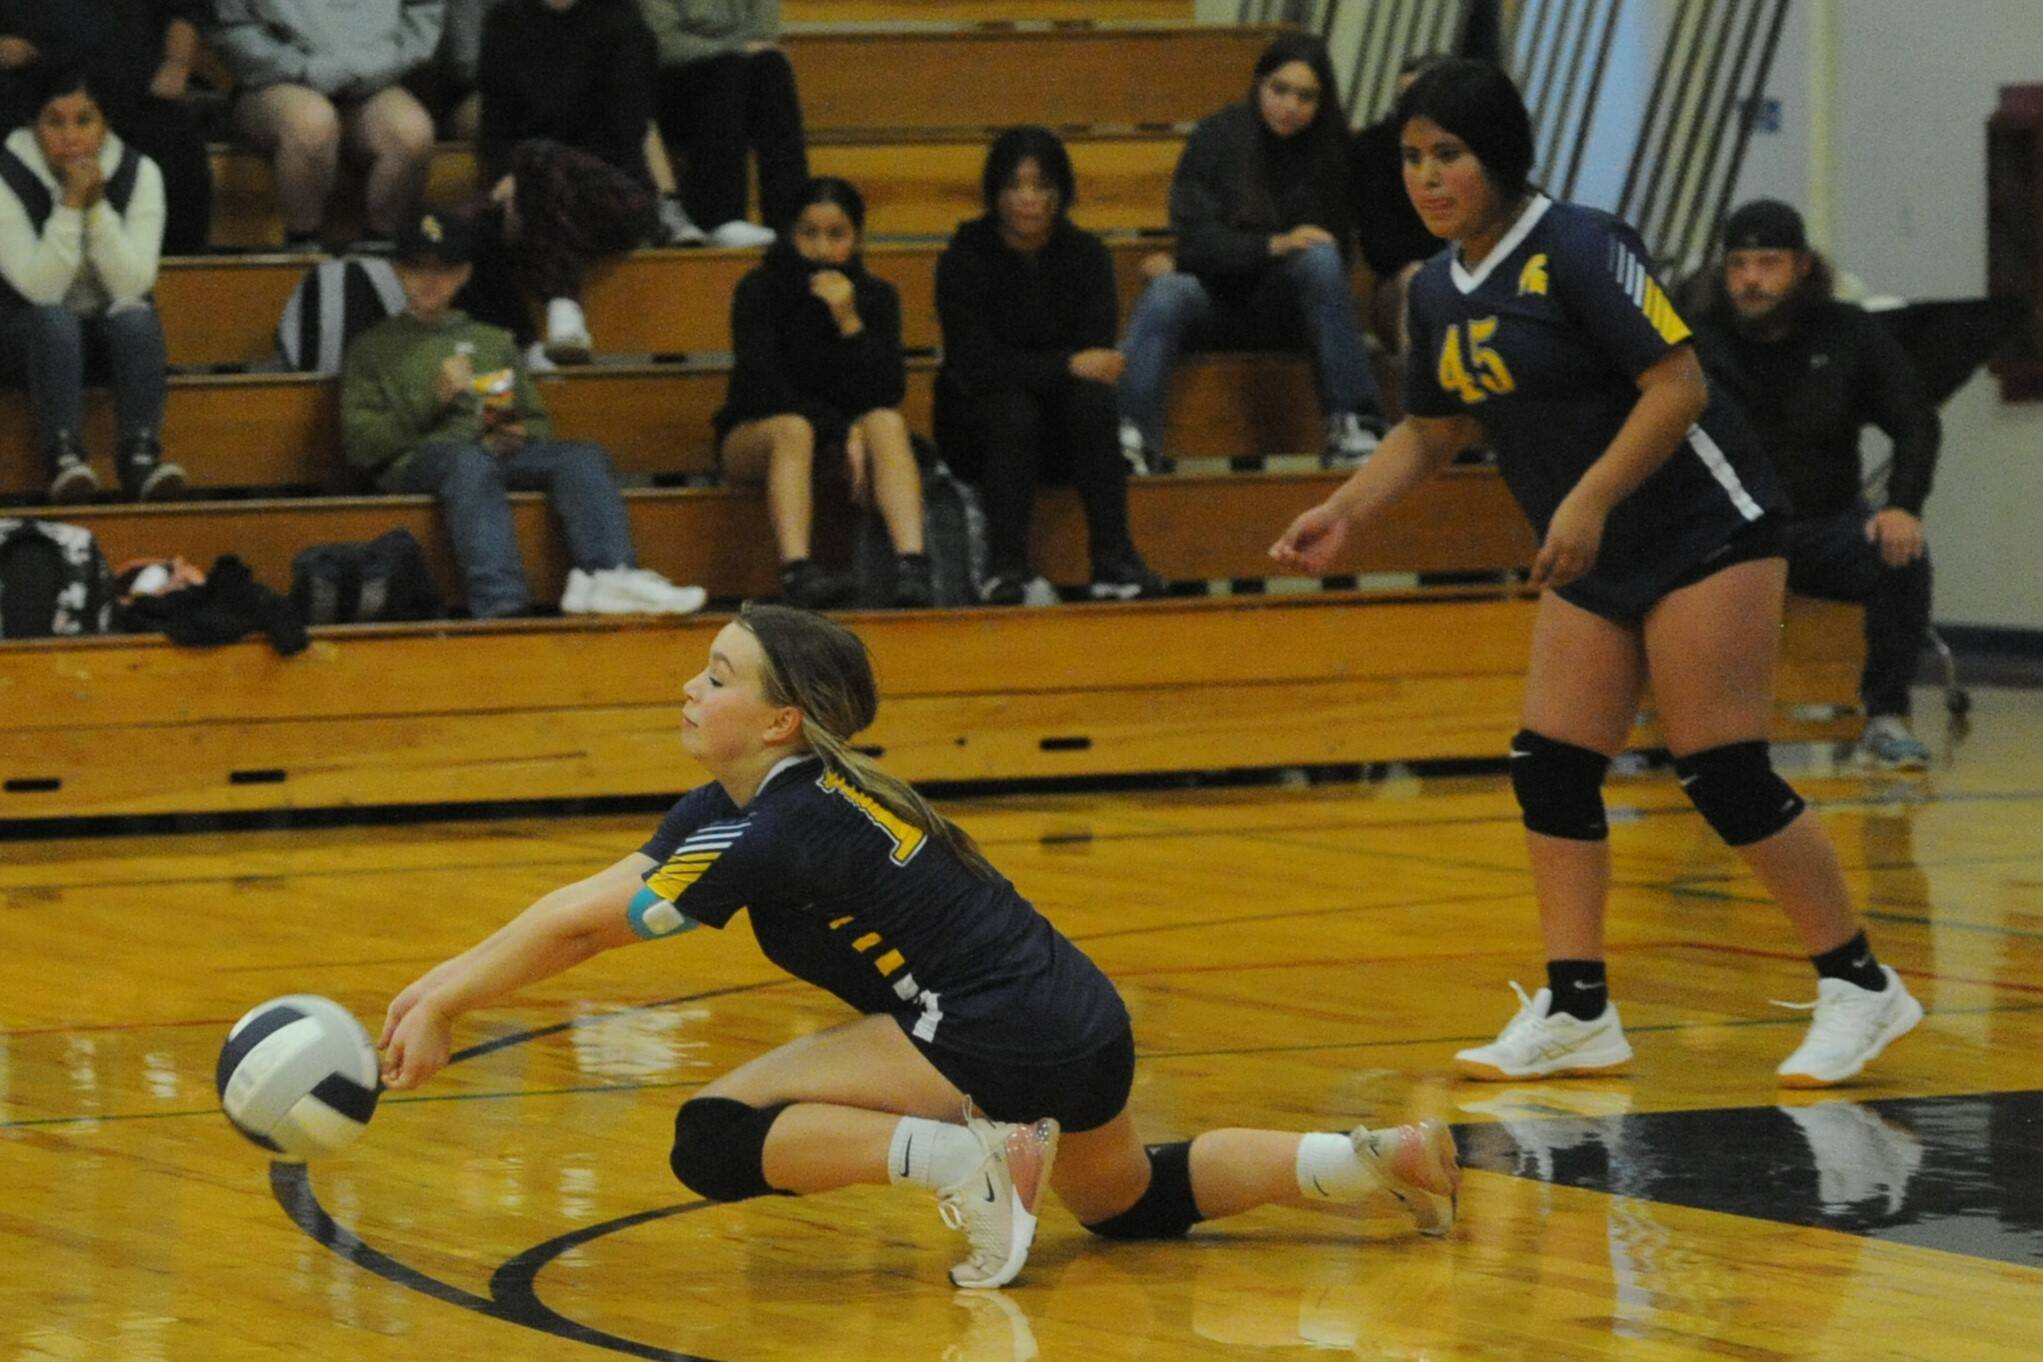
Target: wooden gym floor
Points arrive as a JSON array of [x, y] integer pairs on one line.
[[1293, 956]]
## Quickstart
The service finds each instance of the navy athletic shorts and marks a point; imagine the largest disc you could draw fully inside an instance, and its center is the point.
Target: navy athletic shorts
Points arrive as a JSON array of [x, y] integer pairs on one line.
[[1625, 596], [1082, 1094]]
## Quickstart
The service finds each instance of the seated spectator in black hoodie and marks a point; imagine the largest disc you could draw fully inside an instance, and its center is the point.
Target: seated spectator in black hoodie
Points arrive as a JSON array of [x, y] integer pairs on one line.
[[1026, 392], [138, 55], [816, 388], [567, 94]]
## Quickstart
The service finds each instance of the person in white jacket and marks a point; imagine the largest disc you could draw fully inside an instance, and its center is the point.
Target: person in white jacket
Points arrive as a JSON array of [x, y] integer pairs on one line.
[[317, 74], [81, 230]]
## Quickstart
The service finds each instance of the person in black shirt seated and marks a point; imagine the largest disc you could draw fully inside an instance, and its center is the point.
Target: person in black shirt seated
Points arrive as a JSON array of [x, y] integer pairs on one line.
[[1810, 373], [816, 387], [1393, 240], [567, 92], [991, 1060], [1026, 391]]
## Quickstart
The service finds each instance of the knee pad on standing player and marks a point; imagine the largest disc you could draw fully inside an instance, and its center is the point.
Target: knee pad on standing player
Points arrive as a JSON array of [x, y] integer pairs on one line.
[[1165, 1210], [1735, 789], [1559, 787], [719, 1145]]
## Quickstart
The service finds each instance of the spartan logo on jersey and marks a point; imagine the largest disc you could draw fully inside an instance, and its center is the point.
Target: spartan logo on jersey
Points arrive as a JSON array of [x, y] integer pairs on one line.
[[1633, 278], [1532, 279]]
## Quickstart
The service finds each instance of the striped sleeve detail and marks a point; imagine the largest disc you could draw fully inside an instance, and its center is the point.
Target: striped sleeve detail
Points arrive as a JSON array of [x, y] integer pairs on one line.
[[1646, 294], [696, 854], [1713, 458]]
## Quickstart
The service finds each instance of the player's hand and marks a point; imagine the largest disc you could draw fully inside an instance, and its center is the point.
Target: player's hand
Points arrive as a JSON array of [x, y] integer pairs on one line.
[[1313, 540], [1573, 539], [456, 378], [1100, 365], [1897, 534], [417, 1046], [857, 465]]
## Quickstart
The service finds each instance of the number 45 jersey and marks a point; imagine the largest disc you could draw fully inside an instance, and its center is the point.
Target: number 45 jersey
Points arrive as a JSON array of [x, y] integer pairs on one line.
[[1543, 343]]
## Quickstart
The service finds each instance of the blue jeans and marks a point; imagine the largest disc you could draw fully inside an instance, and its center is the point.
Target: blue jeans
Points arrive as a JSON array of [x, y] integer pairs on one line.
[[47, 347], [1302, 297], [472, 484]]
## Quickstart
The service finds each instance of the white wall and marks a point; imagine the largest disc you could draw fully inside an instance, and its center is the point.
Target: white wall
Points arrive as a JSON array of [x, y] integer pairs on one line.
[[1906, 177]]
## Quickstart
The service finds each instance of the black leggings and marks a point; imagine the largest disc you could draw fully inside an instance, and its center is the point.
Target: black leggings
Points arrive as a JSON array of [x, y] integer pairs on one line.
[[1009, 441], [716, 109]]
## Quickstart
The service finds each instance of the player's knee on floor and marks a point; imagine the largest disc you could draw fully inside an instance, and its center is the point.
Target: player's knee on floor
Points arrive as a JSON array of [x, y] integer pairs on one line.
[[1737, 792], [719, 1147], [1165, 1210], [1559, 787]]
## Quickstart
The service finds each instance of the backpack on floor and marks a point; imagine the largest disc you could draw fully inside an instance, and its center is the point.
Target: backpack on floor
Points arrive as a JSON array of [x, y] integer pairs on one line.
[[384, 579], [53, 580], [335, 301], [953, 534]]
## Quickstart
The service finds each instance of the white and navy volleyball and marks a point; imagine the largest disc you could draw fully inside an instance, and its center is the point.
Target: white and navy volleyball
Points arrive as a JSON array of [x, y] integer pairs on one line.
[[298, 1076]]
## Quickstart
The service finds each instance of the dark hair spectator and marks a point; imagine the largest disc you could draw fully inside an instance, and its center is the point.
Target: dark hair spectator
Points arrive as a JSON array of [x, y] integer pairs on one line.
[[815, 394], [1026, 392], [1259, 204], [81, 231], [316, 79], [567, 95], [433, 402], [139, 54], [726, 89]]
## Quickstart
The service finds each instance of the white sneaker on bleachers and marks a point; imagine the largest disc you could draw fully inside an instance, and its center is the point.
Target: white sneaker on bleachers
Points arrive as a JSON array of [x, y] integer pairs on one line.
[[1539, 1042], [676, 227], [739, 235], [628, 591], [567, 332]]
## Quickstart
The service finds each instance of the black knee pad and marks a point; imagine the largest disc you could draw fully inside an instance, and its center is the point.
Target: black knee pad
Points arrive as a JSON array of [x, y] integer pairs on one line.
[[1559, 787], [1165, 1209], [718, 1146], [1735, 789]]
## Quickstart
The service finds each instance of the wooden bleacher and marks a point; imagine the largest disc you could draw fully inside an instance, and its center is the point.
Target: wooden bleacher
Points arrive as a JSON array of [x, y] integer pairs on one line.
[[244, 431], [222, 311], [458, 711], [555, 710]]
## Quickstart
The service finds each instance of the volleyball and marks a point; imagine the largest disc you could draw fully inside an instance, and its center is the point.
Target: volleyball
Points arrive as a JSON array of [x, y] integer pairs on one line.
[[298, 1076]]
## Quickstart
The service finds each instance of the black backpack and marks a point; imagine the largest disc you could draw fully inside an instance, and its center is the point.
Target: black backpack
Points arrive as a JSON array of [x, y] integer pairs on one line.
[[335, 301], [953, 534], [384, 579], [53, 580]]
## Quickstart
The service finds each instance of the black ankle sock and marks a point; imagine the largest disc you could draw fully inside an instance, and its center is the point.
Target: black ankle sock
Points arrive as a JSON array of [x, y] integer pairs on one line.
[[1853, 962], [1579, 988]]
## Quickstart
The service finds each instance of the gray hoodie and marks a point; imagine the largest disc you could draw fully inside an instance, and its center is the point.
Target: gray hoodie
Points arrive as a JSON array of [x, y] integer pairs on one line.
[[690, 30], [337, 47]]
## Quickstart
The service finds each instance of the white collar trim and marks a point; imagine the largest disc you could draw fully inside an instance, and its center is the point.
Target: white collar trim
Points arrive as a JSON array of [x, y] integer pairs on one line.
[[783, 764], [1469, 282]]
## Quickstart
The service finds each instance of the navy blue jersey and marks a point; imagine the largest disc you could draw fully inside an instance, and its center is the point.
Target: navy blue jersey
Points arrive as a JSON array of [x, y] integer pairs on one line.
[[1543, 344], [848, 896]]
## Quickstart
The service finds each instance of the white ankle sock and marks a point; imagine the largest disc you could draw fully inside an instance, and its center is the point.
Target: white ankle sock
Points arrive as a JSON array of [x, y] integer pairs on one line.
[[932, 1154], [1328, 1169], [564, 315]]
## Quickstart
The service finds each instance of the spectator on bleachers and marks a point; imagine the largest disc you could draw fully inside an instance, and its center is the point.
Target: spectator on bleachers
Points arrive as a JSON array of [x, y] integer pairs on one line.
[[1026, 392], [1259, 206], [316, 77], [726, 88], [432, 402], [567, 95], [1810, 373], [139, 56], [81, 230], [456, 77], [816, 388], [1393, 240]]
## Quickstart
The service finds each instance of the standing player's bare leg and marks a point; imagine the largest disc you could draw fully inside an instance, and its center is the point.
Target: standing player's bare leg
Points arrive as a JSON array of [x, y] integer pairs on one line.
[[1710, 649]]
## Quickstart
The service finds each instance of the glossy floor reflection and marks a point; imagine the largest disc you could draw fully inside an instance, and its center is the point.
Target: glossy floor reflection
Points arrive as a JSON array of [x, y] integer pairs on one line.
[[1960, 1174], [1294, 957]]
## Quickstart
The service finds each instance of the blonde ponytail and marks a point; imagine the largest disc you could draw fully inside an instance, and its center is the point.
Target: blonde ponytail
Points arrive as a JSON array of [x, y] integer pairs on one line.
[[823, 669]]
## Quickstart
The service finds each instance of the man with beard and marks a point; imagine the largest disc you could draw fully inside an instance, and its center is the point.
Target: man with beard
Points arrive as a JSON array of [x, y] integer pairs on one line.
[[1810, 372]]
